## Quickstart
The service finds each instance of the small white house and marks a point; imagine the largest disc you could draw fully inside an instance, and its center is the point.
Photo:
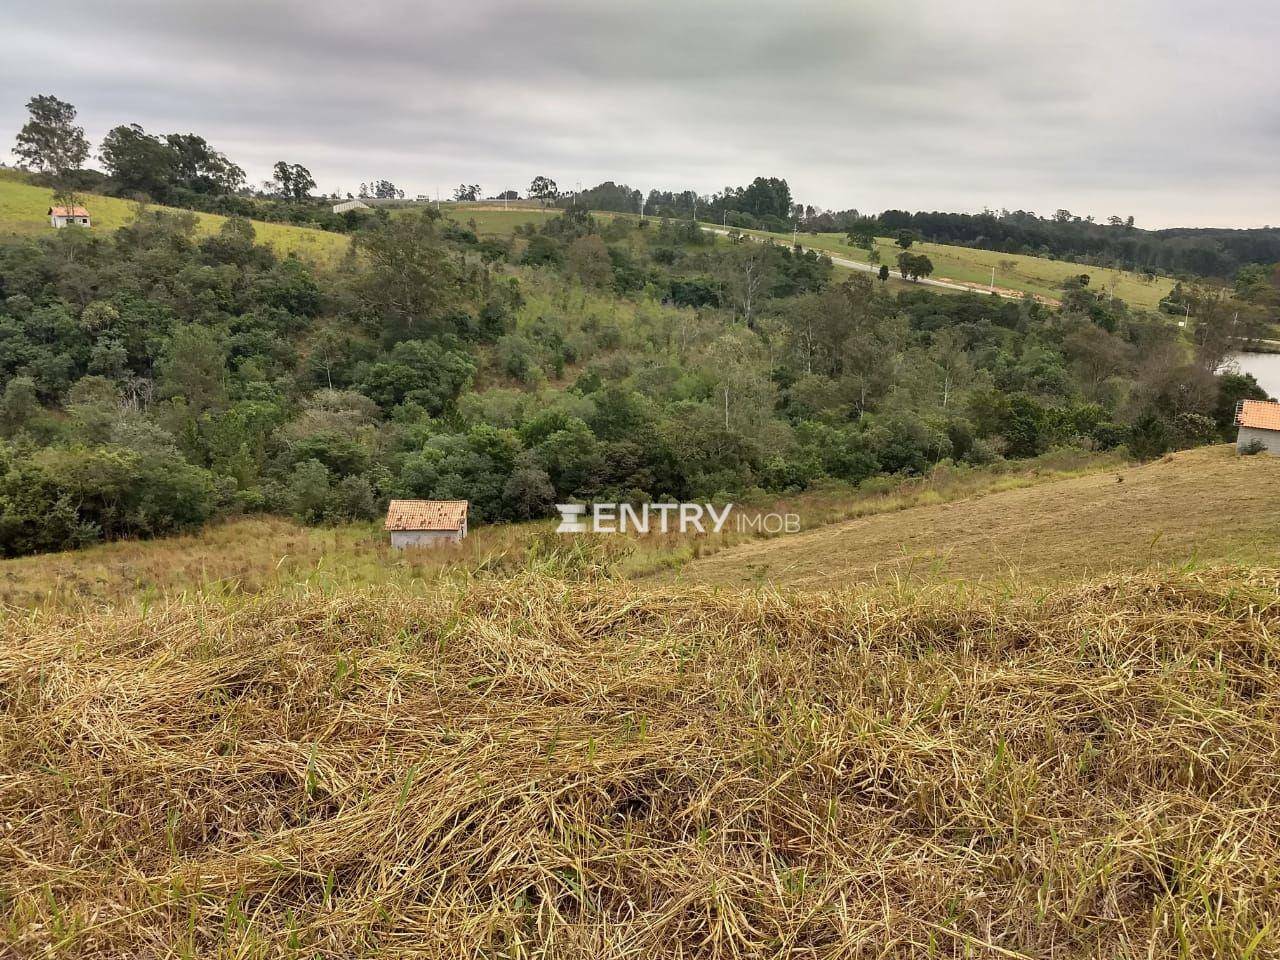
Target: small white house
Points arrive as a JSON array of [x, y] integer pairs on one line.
[[346, 205], [425, 523], [60, 217], [1259, 421]]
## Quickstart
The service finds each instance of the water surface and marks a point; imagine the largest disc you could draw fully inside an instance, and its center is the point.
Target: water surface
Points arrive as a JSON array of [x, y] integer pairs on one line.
[[1265, 368]]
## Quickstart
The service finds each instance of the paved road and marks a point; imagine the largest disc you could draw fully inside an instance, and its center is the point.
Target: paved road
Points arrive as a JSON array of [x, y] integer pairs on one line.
[[872, 268]]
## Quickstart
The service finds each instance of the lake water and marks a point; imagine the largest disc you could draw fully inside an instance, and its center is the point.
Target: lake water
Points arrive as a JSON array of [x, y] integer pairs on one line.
[[1265, 368]]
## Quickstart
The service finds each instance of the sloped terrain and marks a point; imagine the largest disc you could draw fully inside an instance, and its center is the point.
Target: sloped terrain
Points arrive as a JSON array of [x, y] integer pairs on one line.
[[1200, 505], [23, 210], [536, 769]]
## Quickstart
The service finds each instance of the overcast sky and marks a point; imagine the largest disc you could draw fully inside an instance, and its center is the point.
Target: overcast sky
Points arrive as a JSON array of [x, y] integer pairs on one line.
[[1168, 110]]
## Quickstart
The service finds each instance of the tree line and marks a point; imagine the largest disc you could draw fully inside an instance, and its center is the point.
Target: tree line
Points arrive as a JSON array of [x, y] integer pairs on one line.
[[183, 169], [154, 378]]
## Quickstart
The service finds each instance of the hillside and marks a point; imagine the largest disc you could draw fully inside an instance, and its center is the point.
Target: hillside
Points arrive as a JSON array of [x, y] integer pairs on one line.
[[23, 210], [247, 555], [1013, 272], [159, 381], [964, 266], [23, 206], [534, 768], [1198, 506], [498, 219]]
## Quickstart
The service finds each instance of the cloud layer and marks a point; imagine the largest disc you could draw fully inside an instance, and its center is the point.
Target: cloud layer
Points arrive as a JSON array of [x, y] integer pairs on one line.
[[1167, 111]]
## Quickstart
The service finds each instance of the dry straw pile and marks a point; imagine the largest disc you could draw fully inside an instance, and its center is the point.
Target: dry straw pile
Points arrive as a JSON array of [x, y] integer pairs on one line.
[[534, 769]]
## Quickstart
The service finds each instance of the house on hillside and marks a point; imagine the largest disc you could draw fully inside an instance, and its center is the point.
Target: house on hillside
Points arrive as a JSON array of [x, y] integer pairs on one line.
[[425, 523], [1259, 422], [346, 205], [60, 217]]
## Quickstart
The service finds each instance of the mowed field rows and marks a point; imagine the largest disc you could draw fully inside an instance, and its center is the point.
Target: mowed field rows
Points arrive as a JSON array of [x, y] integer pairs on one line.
[[24, 212], [1200, 506]]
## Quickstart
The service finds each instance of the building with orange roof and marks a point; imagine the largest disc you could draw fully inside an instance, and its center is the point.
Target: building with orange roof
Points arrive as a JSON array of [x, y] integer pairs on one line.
[[60, 217], [1259, 423], [425, 523]]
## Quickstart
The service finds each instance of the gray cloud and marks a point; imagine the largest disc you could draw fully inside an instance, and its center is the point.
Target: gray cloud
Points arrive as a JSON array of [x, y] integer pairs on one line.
[[1162, 110]]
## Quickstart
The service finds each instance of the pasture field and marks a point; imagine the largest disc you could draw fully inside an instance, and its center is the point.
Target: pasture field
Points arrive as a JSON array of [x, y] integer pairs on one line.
[[496, 220], [1200, 506], [23, 210], [1034, 275]]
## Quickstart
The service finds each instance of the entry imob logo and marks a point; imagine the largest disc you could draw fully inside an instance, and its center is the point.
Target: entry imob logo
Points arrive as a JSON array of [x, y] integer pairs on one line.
[[668, 518], [571, 515], [645, 518]]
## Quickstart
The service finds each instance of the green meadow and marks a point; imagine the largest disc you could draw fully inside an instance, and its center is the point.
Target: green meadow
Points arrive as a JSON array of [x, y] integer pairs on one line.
[[24, 212]]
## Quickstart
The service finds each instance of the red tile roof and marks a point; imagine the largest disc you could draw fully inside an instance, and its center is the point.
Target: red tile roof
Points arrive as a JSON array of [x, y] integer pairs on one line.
[[426, 514], [68, 212], [1260, 414]]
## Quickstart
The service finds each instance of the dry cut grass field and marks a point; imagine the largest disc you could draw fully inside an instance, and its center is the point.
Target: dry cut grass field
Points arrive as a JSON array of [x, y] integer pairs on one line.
[[537, 769], [245, 556], [1198, 506]]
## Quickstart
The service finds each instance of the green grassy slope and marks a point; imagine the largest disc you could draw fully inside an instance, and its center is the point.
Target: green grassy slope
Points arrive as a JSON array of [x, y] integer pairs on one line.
[[493, 218], [23, 210], [1034, 275]]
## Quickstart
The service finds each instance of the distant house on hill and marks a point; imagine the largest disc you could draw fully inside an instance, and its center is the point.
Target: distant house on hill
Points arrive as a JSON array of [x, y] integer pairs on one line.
[[1259, 422], [425, 523], [346, 205], [60, 217]]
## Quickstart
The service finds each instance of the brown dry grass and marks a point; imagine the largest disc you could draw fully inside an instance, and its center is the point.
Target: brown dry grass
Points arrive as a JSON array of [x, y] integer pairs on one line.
[[245, 556], [539, 769], [1202, 505]]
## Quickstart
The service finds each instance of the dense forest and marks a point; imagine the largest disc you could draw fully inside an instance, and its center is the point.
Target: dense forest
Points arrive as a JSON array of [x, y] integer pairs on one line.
[[152, 379]]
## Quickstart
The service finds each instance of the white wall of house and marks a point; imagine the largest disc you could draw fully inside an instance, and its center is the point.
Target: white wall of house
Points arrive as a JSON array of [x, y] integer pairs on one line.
[[424, 538], [1268, 438], [60, 222]]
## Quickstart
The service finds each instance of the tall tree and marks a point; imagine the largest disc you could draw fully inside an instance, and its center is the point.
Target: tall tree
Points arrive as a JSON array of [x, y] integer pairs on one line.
[[51, 141], [292, 181], [200, 168], [767, 196], [412, 283], [745, 272], [384, 190], [544, 189], [138, 161]]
